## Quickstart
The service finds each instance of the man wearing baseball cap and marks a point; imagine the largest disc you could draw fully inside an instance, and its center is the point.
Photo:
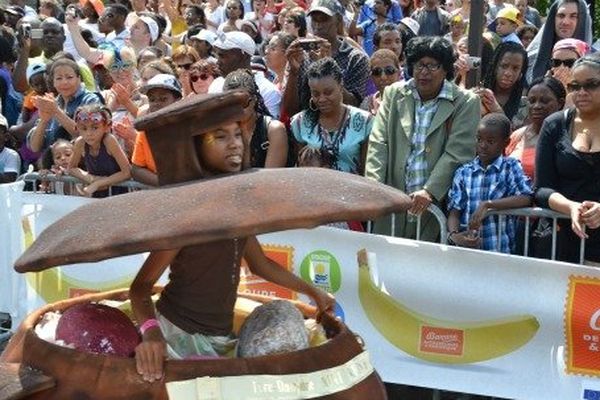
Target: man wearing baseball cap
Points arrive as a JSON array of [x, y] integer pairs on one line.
[[162, 90], [234, 50], [505, 25], [144, 32], [326, 19]]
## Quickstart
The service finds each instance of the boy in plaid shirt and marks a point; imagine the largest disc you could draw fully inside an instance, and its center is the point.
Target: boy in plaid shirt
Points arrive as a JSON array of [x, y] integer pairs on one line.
[[490, 182]]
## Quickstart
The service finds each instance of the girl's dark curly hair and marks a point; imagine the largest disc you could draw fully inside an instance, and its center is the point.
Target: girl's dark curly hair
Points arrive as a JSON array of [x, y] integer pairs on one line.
[[244, 79], [512, 105], [435, 47]]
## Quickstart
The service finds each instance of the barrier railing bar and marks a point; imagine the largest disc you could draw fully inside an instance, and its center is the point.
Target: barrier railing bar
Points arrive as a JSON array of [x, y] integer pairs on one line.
[[435, 211], [526, 244], [554, 230], [36, 177], [582, 248], [538, 212]]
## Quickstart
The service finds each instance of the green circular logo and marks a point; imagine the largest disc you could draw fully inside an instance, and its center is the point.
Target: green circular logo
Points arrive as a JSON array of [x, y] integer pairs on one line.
[[322, 269]]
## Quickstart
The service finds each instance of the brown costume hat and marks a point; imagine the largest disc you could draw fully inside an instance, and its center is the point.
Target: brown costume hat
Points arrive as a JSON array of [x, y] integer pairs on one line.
[[171, 131], [238, 205]]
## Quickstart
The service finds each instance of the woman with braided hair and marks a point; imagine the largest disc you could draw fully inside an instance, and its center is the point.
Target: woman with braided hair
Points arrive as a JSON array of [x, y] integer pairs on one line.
[[340, 132], [267, 137], [504, 84]]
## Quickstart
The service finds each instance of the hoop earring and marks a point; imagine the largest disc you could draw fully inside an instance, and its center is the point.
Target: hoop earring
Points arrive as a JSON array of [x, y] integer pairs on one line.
[[312, 105]]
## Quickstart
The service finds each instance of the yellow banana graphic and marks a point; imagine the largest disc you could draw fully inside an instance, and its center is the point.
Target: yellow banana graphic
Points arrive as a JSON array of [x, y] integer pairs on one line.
[[436, 340], [53, 286]]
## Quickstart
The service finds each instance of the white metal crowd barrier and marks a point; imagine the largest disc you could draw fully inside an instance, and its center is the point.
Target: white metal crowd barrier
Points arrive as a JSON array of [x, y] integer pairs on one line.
[[527, 213], [537, 212], [36, 177]]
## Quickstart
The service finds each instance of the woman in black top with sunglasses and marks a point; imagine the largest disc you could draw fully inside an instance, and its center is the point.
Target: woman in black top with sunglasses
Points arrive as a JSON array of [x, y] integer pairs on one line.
[[568, 163], [385, 70]]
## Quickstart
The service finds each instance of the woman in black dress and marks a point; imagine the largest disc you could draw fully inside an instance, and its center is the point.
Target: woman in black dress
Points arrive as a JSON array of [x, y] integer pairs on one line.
[[568, 163]]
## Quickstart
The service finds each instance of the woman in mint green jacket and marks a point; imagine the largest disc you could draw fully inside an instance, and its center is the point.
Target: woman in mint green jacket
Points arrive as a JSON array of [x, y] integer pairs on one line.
[[424, 130]]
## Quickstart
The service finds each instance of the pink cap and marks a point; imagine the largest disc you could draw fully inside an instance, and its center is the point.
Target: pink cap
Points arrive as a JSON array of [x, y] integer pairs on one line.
[[578, 46]]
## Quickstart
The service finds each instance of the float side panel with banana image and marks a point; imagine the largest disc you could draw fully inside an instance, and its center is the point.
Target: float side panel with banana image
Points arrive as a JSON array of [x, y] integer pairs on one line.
[[435, 340]]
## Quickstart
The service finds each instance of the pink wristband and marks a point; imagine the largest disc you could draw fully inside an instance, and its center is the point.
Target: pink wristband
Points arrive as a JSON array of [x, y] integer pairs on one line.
[[149, 324]]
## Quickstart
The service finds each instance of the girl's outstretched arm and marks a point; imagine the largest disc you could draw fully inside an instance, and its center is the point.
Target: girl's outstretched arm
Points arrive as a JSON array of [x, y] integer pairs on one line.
[[268, 269], [150, 354], [74, 170], [114, 149]]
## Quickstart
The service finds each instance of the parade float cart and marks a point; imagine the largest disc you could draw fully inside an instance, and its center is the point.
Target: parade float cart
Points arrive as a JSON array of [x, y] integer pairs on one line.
[[229, 207]]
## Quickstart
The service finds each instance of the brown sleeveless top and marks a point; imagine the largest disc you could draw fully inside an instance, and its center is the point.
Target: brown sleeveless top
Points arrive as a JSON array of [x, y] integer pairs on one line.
[[202, 288]]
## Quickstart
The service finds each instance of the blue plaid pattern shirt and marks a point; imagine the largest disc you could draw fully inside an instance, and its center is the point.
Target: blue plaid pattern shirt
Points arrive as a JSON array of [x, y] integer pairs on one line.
[[473, 184], [416, 163]]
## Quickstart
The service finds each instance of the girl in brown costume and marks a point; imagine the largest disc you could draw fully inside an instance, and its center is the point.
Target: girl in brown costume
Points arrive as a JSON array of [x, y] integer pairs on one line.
[[194, 314]]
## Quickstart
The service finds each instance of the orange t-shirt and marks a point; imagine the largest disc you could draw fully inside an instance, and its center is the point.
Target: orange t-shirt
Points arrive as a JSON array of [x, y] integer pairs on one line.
[[142, 155]]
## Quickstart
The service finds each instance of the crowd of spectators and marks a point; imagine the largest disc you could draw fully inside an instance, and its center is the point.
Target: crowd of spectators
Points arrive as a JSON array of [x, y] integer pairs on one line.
[[375, 87]]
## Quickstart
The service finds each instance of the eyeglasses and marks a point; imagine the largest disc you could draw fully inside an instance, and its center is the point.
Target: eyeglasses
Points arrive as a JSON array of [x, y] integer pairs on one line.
[[389, 70], [567, 63], [202, 77], [120, 67], [587, 86], [233, 8], [185, 66], [418, 67]]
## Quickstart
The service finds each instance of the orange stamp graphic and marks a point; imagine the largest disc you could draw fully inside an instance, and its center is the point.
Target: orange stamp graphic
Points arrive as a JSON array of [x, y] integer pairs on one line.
[[250, 283], [582, 326], [442, 340]]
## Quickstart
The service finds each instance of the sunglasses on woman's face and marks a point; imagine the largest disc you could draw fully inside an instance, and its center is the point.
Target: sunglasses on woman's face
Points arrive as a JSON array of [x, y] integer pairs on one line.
[[185, 66], [567, 63], [202, 77], [389, 70], [587, 86]]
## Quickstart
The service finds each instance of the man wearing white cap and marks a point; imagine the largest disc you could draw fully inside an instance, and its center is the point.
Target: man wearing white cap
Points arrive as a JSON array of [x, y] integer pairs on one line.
[[234, 50], [144, 32], [203, 42]]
